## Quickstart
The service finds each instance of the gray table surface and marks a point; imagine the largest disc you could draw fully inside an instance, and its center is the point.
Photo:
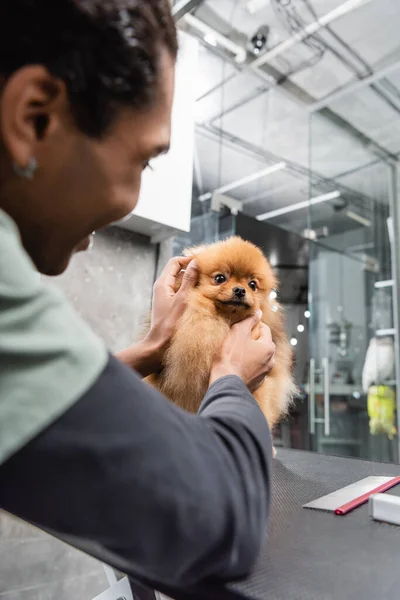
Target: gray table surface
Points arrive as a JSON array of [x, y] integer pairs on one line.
[[315, 555]]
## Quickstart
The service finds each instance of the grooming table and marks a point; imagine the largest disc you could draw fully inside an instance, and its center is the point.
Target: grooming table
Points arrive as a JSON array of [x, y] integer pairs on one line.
[[315, 555]]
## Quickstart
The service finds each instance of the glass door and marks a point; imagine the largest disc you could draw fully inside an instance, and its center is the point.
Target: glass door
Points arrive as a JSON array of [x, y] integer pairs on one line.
[[352, 386], [354, 223]]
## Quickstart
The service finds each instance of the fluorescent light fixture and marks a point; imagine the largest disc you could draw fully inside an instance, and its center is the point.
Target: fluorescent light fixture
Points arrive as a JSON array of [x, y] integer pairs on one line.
[[239, 52], [210, 39], [299, 205], [254, 6], [249, 179], [384, 284], [358, 218]]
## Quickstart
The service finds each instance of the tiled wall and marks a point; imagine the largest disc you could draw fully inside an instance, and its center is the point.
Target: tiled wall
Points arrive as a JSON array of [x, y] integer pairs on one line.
[[111, 285], [34, 566], [111, 288]]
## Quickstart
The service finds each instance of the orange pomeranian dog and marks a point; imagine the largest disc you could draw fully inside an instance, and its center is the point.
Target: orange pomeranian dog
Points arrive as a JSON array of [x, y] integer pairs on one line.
[[235, 280]]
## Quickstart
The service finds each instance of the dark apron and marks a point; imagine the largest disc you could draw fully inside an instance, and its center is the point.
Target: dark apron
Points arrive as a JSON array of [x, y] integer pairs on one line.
[[140, 593]]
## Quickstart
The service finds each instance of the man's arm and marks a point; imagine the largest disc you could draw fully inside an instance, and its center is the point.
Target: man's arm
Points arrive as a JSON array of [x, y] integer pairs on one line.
[[174, 498]]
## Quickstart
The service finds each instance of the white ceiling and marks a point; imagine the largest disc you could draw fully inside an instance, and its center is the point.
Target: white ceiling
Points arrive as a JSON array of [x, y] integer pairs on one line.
[[261, 127]]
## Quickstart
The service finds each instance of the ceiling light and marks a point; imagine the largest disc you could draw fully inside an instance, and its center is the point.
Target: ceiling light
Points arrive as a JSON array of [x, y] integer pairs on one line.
[[273, 258], [244, 180], [254, 6], [238, 51], [273, 295], [300, 328], [210, 39], [299, 205], [358, 218], [310, 234], [293, 341], [307, 314]]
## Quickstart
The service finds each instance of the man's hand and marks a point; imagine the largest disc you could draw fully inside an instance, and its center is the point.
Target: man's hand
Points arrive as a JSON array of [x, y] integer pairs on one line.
[[168, 306], [249, 359]]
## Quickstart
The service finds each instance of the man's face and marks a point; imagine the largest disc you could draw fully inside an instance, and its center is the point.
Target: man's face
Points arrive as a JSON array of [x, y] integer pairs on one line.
[[81, 184]]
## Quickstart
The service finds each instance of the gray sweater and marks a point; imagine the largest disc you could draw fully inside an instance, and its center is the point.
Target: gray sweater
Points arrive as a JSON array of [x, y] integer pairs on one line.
[[172, 499]]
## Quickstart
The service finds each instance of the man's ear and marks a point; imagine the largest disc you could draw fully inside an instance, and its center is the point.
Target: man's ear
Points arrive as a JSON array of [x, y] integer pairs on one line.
[[30, 103]]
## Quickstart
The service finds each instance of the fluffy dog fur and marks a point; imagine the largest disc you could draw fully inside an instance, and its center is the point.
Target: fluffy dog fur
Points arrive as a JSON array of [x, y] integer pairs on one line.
[[212, 308]]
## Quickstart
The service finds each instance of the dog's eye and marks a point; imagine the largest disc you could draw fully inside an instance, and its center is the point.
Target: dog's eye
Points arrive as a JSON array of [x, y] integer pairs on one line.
[[219, 279], [253, 285]]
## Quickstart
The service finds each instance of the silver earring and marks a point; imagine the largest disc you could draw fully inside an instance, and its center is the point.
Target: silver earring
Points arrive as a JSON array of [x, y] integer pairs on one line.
[[28, 171], [91, 244]]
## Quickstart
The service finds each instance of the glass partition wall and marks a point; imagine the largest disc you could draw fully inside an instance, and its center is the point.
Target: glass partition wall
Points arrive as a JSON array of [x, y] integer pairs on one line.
[[307, 159], [337, 294], [353, 326]]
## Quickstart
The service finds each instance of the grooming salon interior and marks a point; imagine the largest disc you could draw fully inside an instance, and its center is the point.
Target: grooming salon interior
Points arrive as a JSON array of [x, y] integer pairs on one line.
[[286, 132]]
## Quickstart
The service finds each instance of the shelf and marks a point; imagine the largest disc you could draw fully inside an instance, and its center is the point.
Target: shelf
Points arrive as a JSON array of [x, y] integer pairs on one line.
[[385, 332], [384, 284], [343, 389], [336, 389]]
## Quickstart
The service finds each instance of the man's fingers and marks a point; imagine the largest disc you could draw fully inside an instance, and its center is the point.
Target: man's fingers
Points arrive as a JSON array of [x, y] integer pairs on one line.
[[256, 318], [266, 339], [248, 324], [265, 334], [173, 268], [190, 278]]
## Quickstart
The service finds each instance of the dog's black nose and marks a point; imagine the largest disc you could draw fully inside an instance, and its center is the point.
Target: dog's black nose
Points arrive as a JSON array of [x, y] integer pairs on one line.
[[239, 292]]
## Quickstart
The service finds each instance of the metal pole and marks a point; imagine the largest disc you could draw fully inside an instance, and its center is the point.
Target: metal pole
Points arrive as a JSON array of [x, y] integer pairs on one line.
[[182, 7], [352, 88], [395, 247]]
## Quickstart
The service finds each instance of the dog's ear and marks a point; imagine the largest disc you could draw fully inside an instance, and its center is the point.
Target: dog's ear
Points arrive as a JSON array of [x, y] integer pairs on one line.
[[194, 251]]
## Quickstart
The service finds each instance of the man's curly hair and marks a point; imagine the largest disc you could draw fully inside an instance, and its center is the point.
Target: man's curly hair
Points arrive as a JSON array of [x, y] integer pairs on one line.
[[107, 52]]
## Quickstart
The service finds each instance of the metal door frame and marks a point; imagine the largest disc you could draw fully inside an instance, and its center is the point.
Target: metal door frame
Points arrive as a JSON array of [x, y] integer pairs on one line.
[[394, 199]]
